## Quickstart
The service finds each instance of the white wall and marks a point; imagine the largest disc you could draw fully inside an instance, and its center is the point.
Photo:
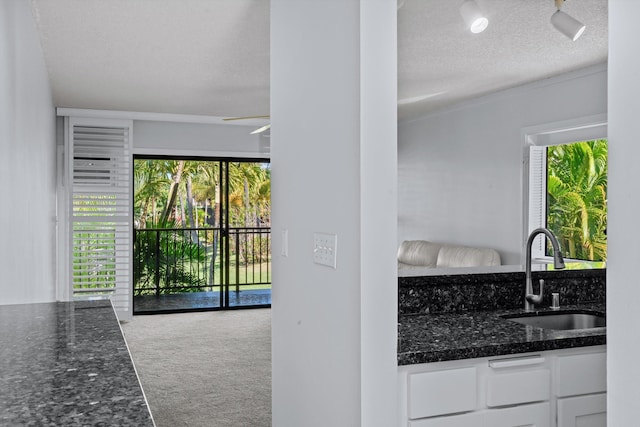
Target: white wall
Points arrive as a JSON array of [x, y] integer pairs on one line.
[[333, 155], [27, 161], [460, 170], [198, 139], [623, 290]]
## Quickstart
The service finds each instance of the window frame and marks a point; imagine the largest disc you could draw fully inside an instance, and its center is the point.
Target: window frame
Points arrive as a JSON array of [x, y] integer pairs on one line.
[[537, 139]]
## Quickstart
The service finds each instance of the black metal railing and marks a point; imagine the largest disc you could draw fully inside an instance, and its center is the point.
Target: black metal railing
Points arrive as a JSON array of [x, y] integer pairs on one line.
[[176, 260]]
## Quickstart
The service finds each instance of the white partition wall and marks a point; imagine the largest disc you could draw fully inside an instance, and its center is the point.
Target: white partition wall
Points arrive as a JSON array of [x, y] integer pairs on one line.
[[333, 153], [27, 162], [623, 292]]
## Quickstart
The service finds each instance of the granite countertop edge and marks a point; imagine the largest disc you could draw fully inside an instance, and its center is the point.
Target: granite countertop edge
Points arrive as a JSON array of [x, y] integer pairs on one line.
[[428, 338], [67, 364]]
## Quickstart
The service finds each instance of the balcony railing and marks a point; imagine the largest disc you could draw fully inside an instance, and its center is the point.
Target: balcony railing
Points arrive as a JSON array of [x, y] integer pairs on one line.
[[176, 260]]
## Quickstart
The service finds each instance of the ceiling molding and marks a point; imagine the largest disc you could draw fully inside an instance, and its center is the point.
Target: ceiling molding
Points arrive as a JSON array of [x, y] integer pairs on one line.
[[155, 117]]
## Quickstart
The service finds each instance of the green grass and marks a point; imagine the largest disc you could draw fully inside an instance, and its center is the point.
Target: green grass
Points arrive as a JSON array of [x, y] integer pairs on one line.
[[246, 276]]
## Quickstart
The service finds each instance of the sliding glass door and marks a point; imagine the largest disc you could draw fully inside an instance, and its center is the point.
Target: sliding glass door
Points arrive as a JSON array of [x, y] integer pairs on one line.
[[202, 235]]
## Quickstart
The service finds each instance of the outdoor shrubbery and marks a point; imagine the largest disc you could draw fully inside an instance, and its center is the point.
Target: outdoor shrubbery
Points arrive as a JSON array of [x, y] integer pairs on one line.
[[577, 198]]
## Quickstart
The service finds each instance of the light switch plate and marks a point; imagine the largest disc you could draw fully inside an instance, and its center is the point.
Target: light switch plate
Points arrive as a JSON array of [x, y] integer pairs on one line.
[[325, 248]]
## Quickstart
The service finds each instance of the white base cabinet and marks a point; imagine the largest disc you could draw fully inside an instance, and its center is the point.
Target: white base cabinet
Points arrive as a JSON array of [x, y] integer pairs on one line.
[[559, 388], [583, 411], [537, 415]]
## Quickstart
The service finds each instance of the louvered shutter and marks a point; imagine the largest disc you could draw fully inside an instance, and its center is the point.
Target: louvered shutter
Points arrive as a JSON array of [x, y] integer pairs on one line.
[[99, 156], [537, 196]]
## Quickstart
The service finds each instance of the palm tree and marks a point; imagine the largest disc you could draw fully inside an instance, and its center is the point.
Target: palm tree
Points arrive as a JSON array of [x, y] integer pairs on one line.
[[150, 185], [577, 198], [206, 188], [176, 174], [251, 192]]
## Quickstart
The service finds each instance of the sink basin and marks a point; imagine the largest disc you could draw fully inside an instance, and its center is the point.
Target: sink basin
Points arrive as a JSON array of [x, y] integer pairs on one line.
[[560, 321]]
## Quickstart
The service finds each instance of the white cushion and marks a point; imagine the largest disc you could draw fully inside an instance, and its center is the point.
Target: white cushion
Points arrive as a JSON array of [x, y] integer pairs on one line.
[[422, 254], [418, 253], [461, 256]]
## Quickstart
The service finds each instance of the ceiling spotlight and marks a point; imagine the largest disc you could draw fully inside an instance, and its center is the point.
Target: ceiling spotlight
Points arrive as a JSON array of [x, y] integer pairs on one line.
[[566, 24], [473, 16]]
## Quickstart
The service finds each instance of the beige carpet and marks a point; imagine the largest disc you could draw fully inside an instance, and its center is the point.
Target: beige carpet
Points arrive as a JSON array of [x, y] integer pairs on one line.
[[204, 369]]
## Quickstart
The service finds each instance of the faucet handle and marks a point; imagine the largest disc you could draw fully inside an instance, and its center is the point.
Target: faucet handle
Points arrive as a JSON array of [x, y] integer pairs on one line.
[[558, 261], [537, 299]]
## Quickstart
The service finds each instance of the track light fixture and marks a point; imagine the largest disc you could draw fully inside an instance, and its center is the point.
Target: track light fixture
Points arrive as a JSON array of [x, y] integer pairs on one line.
[[473, 16], [566, 24]]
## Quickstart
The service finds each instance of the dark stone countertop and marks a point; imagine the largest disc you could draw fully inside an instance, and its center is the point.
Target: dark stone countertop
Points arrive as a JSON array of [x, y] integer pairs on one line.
[[424, 338], [67, 364]]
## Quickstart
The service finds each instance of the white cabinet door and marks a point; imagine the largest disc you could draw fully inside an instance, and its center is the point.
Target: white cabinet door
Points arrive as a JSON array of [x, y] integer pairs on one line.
[[581, 374], [538, 415], [583, 411]]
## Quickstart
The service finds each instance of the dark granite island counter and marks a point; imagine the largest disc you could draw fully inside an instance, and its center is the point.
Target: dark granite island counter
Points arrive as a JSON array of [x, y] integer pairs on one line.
[[444, 318], [425, 338], [67, 364]]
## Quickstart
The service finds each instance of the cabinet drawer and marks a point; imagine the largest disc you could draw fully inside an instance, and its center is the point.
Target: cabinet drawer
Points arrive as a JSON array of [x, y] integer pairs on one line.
[[465, 420], [538, 415], [518, 380], [518, 387], [442, 392], [582, 374]]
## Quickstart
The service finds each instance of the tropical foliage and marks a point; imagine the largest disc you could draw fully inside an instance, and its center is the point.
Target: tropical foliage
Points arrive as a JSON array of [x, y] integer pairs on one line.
[[165, 260], [184, 194], [577, 198]]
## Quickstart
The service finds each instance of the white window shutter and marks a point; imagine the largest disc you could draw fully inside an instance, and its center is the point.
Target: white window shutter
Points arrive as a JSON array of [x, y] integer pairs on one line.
[[100, 210], [537, 196]]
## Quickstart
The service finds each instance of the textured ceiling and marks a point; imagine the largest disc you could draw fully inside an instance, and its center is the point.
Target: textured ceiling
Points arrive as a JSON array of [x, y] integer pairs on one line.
[[441, 60], [205, 57], [211, 57]]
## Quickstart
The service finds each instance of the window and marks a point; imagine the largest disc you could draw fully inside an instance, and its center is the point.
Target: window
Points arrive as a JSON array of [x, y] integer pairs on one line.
[[98, 205], [576, 192], [567, 193]]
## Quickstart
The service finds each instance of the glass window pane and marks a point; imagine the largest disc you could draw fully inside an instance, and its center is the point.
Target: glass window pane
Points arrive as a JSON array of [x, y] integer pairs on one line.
[[577, 198]]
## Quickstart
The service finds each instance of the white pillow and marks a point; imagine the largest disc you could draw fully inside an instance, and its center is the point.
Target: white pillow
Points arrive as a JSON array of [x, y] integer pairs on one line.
[[419, 252], [462, 256]]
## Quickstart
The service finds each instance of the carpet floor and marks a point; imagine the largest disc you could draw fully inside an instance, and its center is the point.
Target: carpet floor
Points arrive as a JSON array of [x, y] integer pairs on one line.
[[208, 369]]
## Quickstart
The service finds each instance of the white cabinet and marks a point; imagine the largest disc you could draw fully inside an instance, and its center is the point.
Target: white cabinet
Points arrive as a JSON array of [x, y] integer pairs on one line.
[[581, 374], [537, 415], [583, 411], [520, 416], [442, 392], [559, 388]]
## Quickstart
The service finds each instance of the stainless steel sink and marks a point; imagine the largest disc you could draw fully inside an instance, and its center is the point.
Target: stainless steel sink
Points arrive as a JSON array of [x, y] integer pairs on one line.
[[560, 321]]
